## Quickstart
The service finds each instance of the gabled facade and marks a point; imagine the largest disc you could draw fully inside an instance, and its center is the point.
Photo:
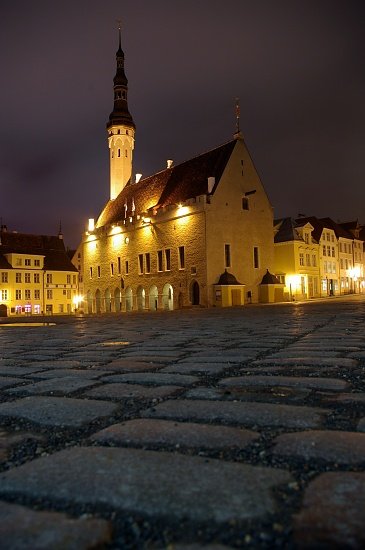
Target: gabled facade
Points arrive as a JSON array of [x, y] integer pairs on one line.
[[318, 257], [36, 275], [296, 259], [163, 242]]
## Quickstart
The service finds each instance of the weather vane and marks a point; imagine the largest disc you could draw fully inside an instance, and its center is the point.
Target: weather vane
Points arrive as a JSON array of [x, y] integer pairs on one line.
[[237, 115]]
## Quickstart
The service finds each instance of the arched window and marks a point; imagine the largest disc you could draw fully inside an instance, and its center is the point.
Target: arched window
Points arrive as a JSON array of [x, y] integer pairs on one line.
[[118, 152]]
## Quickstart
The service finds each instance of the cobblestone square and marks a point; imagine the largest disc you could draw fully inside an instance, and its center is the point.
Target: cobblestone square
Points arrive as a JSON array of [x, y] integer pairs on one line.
[[203, 428]]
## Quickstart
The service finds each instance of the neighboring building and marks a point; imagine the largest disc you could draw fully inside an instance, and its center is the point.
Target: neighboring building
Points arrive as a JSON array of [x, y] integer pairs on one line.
[[165, 241], [318, 257], [36, 275], [297, 259]]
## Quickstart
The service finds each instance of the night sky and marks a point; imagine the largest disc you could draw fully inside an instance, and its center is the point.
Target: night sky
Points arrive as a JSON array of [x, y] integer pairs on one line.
[[297, 67]]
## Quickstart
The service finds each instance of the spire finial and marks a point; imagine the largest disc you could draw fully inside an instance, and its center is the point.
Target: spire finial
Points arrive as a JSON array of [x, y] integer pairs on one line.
[[119, 21]]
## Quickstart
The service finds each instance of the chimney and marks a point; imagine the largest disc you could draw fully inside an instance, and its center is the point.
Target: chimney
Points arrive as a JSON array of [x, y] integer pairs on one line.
[[211, 184], [170, 163]]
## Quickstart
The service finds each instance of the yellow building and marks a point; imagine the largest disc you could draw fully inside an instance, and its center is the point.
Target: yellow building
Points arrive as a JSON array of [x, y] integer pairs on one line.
[[318, 257], [297, 259], [164, 241], [36, 275]]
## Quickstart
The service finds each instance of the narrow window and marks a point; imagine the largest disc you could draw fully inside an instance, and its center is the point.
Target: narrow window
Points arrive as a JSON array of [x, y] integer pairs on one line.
[[140, 263], [18, 277], [112, 269], [126, 153], [245, 203], [167, 259], [118, 152], [119, 266], [159, 260], [324, 250], [99, 272], [91, 272], [256, 257], [49, 294], [148, 262], [126, 267], [301, 258], [181, 257], [68, 279], [227, 255], [18, 294]]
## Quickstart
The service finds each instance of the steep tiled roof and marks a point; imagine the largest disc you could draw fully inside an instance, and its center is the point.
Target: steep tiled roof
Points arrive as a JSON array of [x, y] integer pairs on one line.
[[338, 229], [51, 247], [286, 230], [171, 186]]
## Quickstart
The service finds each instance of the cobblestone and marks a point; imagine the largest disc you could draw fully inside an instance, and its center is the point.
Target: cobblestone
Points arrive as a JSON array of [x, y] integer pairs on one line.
[[220, 428]]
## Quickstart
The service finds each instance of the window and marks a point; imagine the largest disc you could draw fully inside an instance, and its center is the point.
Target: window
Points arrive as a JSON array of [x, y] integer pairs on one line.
[[307, 259], [49, 294], [99, 271], [325, 266], [256, 257], [68, 279], [140, 263], [18, 294], [119, 266], [328, 251], [159, 260], [324, 250], [148, 262], [306, 238], [4, 277], [227, 255], [301, 258], [37, 263], [37, 294], [69, 294], [341, 263], [91, 272], [333, 252], [181, 257], [167, 259], [112, 269], [18, 277], [49, 278], [36, 277], [314, 260], [60, 308], [27, 294], [18, 261], [332, 238], [340, 246], [118, 152], [73, 279], [126, 267], [4, 294], [328, 236], [27, 261], [27, 277], [346, 263], [245, 203]]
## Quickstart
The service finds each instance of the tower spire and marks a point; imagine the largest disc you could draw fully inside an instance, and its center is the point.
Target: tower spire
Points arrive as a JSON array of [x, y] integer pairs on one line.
[[120, 127]]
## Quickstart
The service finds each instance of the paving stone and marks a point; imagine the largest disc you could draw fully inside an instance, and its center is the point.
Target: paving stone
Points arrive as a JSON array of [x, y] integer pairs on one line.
[[154, 378], [6, 382], [132, 391], [90, 374], [24, 529], [181, 434], [10, 440], [247, 394], [361, 425], [246, 413], [333, 446], [156, 484], [333, 513], [127, 365], [18, 371], [309, 361], [313, 383], [187, 368], [56, 386], [58, 364], [355, 397], [57, 411]]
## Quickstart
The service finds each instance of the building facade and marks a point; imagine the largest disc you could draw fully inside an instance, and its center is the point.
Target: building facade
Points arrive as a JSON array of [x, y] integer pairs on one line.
[[163, 242], [318, 257], [36, 275]]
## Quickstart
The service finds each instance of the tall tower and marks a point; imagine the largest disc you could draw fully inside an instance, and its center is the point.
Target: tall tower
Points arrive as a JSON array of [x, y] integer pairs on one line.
[[121, 129]]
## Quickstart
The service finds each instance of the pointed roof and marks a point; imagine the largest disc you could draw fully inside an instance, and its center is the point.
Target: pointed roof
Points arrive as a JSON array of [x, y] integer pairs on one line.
[[286, 230], [270, 279], [227, 279], [171, 186], [51, 247], [120, 113]]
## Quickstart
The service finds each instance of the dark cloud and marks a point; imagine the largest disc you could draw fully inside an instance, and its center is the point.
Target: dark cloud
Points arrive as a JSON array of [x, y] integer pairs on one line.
[[296, 66]]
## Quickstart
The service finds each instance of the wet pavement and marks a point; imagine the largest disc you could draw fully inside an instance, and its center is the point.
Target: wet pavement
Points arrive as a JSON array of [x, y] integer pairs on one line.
[[232, 428]]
